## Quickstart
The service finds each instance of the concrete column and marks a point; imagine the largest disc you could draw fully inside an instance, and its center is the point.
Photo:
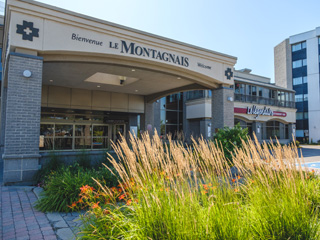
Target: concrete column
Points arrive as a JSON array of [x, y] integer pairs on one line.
[[292, 131], [257, 129], [222, 108], [22, 119], [282, 130], [152, 117], [205, 127], [133, 122]]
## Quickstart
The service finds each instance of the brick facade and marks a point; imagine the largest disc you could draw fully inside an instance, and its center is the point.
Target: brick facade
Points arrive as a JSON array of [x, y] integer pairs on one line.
[[22, 119], [222, 108]]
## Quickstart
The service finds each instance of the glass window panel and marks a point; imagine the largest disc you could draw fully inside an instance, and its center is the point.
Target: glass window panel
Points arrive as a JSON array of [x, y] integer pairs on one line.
[[100, 142], [306, 115], [297, 81], [46, 130], [46, 133], [82, 143], [299, 98], [82, 130], [254, 91], [83, 136], [163, 103], [172, 101], [249, 90], [64, 143], [260, 91], [305, 79], [299, 115], [63, 130], [172, 117], [296, 47], [296, 64], [99, 131], [303, 45], [305, 97], [304, 62]]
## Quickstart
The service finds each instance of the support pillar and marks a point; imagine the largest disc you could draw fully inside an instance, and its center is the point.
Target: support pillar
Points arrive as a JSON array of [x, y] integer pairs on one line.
[[222, 108], [257, 128], [205, 128], [292, 131], [22, 119], [152, 117]]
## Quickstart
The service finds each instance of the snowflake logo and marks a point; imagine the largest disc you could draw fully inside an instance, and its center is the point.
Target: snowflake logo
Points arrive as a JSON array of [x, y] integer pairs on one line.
[[228, 73], [27, 30]]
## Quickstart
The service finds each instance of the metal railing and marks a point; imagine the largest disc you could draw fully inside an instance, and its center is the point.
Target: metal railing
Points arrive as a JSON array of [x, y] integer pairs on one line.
[[263, 101]]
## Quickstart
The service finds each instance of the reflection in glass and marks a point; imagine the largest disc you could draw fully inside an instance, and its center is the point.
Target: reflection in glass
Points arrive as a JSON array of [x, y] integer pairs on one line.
[[83, 136]]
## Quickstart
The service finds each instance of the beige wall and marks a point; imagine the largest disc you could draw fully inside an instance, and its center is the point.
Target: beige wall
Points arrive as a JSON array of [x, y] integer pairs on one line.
[[57, 28], [200, 108], [283, 65], [61, 97]]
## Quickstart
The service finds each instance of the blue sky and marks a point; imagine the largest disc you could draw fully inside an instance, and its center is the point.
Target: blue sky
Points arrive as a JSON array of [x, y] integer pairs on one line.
[[247, 29]]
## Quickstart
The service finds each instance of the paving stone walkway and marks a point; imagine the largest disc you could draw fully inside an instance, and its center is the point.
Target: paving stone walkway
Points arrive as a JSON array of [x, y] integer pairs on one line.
[[19, 219]]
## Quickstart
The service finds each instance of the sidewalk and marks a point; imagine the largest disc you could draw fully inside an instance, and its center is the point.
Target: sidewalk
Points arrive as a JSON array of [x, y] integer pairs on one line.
[[19, 220]]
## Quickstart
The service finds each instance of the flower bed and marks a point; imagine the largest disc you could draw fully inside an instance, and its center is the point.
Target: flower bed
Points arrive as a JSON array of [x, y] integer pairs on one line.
[[170, 192]]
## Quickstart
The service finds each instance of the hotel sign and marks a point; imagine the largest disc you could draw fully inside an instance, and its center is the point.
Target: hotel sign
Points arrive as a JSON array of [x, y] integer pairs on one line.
[[254, 110], [137, 50]]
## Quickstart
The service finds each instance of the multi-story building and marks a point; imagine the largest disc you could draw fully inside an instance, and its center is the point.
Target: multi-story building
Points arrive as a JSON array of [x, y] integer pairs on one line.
[[297, 67], [264, 108]]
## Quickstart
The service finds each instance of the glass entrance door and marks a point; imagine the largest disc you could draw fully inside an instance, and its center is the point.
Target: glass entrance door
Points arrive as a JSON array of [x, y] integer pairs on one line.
[[118, 129]]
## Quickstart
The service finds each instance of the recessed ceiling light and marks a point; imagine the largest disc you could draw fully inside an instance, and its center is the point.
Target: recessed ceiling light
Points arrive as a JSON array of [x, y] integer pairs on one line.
[[51, 80], [98, 86], [133, 70], [136, 90], [178, 77]]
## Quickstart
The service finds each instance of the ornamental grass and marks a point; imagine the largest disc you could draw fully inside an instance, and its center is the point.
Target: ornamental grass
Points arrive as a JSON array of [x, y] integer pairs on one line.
[[169, 191]]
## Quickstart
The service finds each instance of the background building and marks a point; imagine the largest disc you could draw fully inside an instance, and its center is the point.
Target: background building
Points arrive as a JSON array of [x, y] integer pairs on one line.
[[297, 67], [264, 108]]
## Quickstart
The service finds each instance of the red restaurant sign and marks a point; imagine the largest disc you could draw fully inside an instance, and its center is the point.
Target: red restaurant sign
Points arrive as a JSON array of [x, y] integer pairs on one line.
[[257, 111]]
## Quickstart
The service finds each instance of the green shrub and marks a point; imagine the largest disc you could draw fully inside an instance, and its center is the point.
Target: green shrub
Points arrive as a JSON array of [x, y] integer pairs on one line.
[[229, 138], [53, 164], [63, 186], [83, 159], [297, 143]]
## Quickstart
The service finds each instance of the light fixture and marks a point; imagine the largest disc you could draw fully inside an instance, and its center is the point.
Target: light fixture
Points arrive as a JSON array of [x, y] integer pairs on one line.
[[27, 73], [133, 70], [50, 80], [136, 90], [179, 78], [98, 86]]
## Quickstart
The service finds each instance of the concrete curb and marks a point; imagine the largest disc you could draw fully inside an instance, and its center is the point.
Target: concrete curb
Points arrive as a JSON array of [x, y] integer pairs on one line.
[[59, 225]]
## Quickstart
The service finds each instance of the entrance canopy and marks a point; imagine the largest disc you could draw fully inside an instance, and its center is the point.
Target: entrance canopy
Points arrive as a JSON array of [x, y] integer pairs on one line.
[[83, 52]]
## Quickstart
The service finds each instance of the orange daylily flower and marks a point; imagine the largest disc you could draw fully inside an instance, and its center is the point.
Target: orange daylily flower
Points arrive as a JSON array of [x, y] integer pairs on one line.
[[233, 180], [122, 196], [86, 188], [95, 205], [236, 190], [129, 202], [204, 192], [72, 205], [239, 177]]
